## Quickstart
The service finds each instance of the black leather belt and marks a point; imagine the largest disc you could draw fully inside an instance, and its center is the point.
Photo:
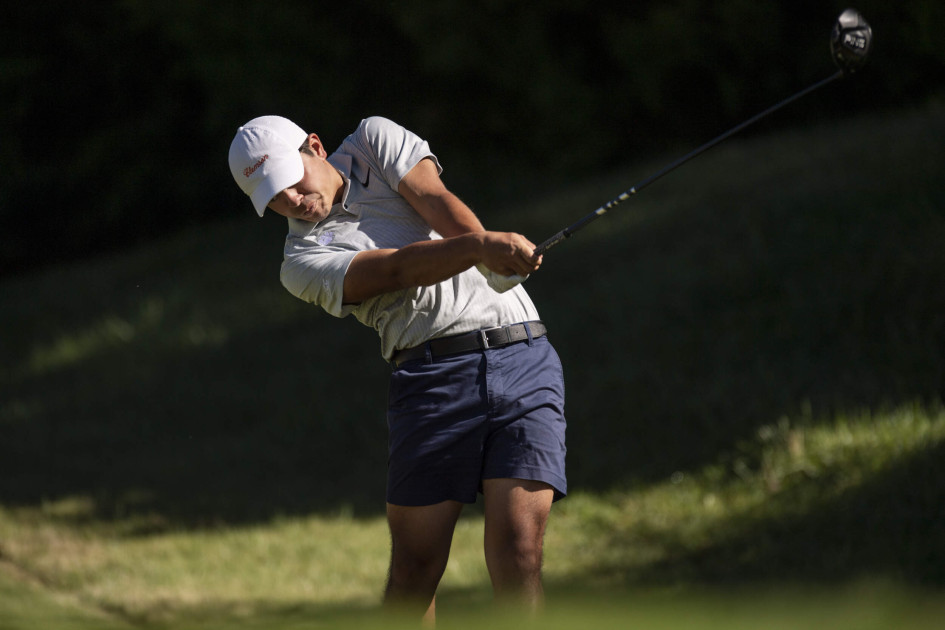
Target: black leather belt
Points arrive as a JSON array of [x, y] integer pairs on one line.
[[467, 342]]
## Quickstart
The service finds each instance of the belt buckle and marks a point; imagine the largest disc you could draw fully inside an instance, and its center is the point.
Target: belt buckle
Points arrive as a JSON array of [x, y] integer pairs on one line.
[[484, 337]]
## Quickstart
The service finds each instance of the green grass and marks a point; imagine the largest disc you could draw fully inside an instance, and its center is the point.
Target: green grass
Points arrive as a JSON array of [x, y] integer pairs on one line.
[[755, 360], [24, 604]]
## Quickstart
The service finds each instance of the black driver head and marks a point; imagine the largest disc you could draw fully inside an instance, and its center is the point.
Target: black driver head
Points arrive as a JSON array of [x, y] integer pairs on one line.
[[850, 41]]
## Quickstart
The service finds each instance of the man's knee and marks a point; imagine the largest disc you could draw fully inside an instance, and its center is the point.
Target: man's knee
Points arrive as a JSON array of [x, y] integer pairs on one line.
[[420, 546], [519, 551], [409, 568], [529, 554]]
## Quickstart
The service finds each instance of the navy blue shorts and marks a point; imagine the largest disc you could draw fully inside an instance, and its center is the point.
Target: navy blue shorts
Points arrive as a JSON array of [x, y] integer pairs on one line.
[[459, 419]]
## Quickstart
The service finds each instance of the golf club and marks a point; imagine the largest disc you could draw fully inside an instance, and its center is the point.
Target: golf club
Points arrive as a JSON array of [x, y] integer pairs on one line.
[[850, 42]]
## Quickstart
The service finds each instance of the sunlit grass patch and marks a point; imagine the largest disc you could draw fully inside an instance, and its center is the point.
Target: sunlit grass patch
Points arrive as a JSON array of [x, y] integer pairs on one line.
[[316, 560], [791, 470]]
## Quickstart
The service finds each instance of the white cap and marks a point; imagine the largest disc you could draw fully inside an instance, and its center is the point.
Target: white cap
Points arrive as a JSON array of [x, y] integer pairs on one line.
[[264, 158]]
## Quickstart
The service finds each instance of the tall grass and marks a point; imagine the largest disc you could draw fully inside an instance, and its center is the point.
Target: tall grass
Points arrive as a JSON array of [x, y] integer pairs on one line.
[[755, 360]]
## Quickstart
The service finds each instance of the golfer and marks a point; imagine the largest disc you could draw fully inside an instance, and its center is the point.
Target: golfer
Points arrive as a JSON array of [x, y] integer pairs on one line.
[[476, 393]]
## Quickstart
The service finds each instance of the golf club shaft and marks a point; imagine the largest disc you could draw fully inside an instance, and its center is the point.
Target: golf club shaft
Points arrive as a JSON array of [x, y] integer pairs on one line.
[[571, 229]]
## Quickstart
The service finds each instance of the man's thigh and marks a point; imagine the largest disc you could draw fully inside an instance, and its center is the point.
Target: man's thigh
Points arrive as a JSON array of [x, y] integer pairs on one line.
[[517, 507]]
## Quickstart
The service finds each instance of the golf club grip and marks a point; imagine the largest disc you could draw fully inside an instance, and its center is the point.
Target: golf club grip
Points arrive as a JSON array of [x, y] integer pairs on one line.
[[551, 242]]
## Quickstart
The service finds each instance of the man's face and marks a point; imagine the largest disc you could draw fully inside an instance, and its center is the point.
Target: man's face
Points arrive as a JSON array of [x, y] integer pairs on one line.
[[312, 197]]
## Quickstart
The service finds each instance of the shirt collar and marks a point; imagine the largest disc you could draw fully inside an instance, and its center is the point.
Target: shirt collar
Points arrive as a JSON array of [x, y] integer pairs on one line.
[[349, 169]]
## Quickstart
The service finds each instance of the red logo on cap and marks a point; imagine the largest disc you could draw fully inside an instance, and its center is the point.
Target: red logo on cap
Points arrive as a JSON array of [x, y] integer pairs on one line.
[[252, 169]]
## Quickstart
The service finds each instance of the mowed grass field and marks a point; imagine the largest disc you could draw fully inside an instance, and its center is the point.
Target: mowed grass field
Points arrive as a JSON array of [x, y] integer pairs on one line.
[[754, 351]]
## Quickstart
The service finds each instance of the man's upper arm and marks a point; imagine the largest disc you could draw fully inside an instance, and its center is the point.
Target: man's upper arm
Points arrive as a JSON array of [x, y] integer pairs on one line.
[[442, 210]]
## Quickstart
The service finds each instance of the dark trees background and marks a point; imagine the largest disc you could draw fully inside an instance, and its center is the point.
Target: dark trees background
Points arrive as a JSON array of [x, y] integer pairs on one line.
[[117, 115]]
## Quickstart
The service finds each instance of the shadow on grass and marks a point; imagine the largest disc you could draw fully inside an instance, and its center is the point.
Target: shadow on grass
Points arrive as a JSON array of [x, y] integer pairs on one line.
[[233, 433]]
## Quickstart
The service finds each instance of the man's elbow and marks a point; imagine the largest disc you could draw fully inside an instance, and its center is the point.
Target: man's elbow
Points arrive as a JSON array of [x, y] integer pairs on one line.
[[293, 283]]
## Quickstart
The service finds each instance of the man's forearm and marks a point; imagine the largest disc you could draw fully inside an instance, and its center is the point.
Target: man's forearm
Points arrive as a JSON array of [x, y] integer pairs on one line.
[[424, 263], [428, 262]]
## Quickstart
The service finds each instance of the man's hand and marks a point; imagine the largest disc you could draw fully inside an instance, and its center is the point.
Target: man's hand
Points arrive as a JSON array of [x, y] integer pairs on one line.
[[509, 254]]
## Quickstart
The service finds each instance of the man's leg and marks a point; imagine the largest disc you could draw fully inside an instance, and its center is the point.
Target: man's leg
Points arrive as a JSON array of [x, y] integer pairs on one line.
[[516, 512], [420, 548]]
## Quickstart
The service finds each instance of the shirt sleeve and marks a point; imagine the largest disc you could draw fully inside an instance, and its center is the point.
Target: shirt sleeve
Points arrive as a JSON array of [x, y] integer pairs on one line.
[[396, 150], [316, 274]]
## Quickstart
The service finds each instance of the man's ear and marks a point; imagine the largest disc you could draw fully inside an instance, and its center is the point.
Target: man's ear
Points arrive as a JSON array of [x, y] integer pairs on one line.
[[315, 144]]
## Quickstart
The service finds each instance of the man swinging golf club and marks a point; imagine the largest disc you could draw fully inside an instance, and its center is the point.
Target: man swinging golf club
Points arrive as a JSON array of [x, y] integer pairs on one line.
[[476, 394], [476, 398]]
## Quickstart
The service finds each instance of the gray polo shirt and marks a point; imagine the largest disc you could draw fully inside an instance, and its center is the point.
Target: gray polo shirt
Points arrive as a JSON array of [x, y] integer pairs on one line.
[[373, 215]]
